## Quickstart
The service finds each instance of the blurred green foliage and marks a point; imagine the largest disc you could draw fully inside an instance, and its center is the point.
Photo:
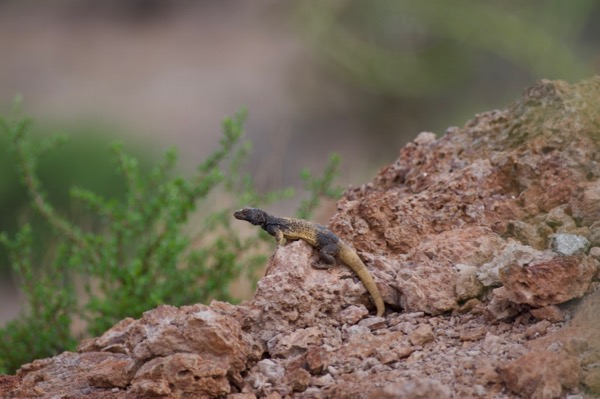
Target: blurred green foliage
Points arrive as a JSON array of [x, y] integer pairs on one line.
[[134, 251], [405, 48], [82, 160], [319, 187]]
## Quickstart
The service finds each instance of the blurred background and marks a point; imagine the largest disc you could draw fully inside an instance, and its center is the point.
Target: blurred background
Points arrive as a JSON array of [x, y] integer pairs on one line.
[[359, 78]]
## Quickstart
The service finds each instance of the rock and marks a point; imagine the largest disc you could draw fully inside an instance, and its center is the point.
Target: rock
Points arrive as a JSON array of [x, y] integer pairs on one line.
[[241, 396], [467, 284], [292, 343], [155, 356], [267, 378], [295, 294], [353, 314], [422, 335], [557, 218], [544, 281], [513, 254], [595, 252], [542, 374], [537, 329], [8, 384], [323, 381], [473, 334], [298, 379], [486, 372], [587, 205], [500, 306], [181, 375], [66, 374], [116, 371], [420, 388], [373, 323], [270, 369], [433, 283], [456, 228], [592, 380], [551, 313], [569, 244], [316, 360]]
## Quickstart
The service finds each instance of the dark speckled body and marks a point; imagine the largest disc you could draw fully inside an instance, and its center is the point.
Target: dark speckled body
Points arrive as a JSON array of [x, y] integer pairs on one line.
[[295, 229], [324, 240]]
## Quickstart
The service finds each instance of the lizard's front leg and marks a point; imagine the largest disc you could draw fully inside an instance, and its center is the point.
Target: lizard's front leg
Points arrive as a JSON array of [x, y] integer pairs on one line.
[[279, 238]]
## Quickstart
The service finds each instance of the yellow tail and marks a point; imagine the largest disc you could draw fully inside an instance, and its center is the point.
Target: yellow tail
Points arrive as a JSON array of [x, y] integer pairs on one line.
[[351, 259]]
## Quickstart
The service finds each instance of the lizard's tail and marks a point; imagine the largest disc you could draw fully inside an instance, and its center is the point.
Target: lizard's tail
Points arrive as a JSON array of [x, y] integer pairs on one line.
[[351, 259]]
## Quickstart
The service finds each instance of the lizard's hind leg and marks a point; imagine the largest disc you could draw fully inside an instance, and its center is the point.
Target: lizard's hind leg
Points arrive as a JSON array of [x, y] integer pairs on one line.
[[327, 257]]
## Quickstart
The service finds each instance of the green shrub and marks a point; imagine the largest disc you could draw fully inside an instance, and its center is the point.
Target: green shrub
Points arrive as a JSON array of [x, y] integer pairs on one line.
[[82, 160], [136, 251], [45, 328]]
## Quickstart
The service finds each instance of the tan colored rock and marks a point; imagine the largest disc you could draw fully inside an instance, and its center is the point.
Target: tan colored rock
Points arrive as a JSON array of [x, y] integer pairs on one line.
[[169, 351], [316, 360], [181, 375], [473, 334], [298, 379], [542, 374], [401, 352], [420, 388], [587, 206], [322, 381], [548, 282], [290, 344], [432, 284], [114, 340], [595, 252], [295, 294], [422, 335], [273, 395], [592, 380], [468, 285], [558, 218], [115, 371], [513, 254], [537, 329], [500, 307], [68, 374], [486, 372], [551, 313], [373, 323], [353, 314], [241, 396]]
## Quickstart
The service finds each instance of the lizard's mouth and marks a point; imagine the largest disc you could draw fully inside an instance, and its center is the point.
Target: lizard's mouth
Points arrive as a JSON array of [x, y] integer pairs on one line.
[[252, 215], [241, 214]]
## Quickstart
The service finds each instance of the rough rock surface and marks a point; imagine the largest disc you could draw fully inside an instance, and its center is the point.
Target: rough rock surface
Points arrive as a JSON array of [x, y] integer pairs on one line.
[[485, 244]]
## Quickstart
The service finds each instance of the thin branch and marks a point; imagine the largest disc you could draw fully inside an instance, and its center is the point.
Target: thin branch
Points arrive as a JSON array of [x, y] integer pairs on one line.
[[73, 234]]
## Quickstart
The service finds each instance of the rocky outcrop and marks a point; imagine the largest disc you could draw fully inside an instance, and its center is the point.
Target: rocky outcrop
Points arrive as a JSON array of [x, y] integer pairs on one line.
[[493, 192], [192, 351], [482, 242]]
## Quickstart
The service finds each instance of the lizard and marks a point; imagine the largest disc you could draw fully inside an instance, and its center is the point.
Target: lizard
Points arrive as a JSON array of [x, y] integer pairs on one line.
[[318, 236]]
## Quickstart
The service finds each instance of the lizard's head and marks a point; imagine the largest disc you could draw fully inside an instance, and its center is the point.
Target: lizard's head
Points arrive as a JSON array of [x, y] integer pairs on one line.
[[251, 215]]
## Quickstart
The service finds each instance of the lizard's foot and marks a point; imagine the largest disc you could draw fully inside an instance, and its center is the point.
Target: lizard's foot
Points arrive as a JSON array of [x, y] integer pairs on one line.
[[321, 266]]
